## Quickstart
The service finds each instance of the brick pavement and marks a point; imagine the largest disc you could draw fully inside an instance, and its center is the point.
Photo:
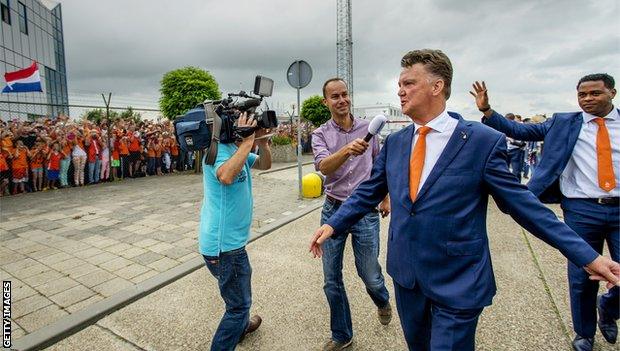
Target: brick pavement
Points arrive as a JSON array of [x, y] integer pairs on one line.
[[66, 249]]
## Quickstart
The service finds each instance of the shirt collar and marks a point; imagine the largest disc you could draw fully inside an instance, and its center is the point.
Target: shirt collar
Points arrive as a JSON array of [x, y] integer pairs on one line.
[[335, 125], [613, 115], [439, 123]]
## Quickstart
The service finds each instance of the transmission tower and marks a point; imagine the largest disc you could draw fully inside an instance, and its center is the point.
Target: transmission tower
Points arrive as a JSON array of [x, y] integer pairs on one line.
[[344, 44]]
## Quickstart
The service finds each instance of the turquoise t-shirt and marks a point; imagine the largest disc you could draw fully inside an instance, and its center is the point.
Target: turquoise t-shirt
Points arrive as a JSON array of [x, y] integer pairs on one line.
[[226, 214]]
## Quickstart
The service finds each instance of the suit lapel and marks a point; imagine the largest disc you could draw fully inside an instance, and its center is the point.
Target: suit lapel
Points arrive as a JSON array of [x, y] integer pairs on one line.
[[574, 129], [460, 136]]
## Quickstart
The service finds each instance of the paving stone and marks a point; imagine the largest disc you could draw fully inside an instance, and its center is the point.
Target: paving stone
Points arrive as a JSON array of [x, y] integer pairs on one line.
[[186, 242], [84, 303], [66, 264], [40, 318], [12, 225], [31, 248], [72, 295], [57, 285], [161, 247], [21, 292], [105, 243], [115, 264], [80, 270], [38, 255], [43, 277], [101, 258], [17, 243], [11, 257], [118, 248], [147, 258], [176, 252], [146, 243], [117, 234], [29, 305], [131, 271], [90, 252], [163, 264], [144, 276], [55, 258], [188, 257], [8, 236], [96, 277], [133, 252], [113, 286], [32, 270]]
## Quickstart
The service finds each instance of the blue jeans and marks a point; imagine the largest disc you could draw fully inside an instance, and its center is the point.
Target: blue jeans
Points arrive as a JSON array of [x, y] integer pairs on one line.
[[93, 171], [365, 241], [596, 224], [233, 273]]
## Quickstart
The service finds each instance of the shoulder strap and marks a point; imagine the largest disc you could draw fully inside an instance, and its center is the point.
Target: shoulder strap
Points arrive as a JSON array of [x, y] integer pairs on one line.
[[210, 114]]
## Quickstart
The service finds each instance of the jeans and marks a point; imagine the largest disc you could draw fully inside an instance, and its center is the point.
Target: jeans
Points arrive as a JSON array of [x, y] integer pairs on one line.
[[233, 273], [365, 241], [64, 170], [93, 171]]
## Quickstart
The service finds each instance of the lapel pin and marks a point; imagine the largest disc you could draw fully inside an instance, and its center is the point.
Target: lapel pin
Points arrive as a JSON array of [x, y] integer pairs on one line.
[[463, 135]]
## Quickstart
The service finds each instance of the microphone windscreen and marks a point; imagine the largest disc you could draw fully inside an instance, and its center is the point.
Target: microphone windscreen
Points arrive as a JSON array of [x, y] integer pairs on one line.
[[377, 124]]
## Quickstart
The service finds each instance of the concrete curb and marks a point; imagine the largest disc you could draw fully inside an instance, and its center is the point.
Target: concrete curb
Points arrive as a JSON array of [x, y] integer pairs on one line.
[[75, 322], [285, 167]]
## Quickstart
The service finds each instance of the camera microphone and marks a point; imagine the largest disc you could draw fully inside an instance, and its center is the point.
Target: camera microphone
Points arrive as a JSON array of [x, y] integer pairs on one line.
[[247, 104], [375, 127]]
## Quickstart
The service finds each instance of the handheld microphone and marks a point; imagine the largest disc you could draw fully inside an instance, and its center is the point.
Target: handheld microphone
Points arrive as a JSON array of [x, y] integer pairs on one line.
[[375, 127]]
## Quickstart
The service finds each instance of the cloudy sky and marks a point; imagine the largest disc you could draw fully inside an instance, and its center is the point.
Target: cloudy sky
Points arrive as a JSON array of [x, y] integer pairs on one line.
[[530, 53]]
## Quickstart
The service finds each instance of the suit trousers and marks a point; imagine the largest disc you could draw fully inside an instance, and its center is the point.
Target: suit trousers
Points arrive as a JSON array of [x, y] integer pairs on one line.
[[429, 326], [596, 224]]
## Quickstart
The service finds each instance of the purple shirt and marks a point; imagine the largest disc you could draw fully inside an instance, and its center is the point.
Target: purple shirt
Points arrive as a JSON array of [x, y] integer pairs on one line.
[[327, 140]]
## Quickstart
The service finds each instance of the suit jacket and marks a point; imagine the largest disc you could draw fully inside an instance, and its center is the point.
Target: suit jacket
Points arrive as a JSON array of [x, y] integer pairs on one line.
[[440, 242], [560, 135]]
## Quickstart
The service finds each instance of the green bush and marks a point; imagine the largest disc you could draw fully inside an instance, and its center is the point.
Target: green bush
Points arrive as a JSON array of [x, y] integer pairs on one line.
[[281, 140]]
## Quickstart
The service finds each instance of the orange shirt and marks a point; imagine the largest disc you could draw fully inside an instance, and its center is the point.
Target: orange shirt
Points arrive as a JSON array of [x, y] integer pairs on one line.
[[174, 149], [54, 164], [21, 160], [134, 144], [37, 160], [122, 145], [151, 151], [7, 144], [66, 150], [4, 166], [158, 150]]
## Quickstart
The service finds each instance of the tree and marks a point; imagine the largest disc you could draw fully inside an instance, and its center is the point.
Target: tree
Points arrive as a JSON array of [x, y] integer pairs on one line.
[[184, 88], [130, 114], [314, 110]]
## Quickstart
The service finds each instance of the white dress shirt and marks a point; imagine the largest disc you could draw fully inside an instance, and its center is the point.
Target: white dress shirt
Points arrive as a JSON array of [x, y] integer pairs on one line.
[[442, 128], [580, 177]]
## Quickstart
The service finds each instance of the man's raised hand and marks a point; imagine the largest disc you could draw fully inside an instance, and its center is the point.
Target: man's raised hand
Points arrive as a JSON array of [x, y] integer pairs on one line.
[[481, 95]]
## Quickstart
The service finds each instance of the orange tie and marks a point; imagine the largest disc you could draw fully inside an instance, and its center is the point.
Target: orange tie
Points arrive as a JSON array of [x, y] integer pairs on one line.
[[606, 178], [416, 163]]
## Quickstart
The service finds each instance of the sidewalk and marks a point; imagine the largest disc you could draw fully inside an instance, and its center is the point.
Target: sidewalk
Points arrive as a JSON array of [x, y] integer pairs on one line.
[[529, 311], [69, 249]]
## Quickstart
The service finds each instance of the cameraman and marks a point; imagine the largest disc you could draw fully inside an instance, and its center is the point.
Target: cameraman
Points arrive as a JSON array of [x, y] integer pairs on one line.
[[225, 220]]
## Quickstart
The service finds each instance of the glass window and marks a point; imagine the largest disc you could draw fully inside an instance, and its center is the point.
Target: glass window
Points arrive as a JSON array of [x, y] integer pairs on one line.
[[6, 12], [23, 18]]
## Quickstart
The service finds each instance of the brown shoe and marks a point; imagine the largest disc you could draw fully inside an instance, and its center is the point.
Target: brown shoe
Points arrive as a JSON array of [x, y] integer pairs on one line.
[[385, 314], [255, 322], [333, 345]]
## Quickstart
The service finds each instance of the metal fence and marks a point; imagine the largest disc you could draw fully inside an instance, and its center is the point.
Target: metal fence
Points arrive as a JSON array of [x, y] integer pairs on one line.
[[10, 110]]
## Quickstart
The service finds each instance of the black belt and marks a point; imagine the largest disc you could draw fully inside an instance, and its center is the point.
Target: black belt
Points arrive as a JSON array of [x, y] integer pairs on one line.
[[607, 201], [333, 200]]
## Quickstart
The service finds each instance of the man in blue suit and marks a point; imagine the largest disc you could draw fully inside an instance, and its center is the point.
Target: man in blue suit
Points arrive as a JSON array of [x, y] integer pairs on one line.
[[438, 252], [580, 169]]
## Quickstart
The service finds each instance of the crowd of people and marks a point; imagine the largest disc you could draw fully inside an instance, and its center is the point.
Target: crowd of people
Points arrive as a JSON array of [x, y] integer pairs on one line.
[[52, 153]]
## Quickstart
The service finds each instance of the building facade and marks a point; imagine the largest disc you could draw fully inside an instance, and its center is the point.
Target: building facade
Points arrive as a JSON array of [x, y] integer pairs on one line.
[[394, 114], [31, 30]]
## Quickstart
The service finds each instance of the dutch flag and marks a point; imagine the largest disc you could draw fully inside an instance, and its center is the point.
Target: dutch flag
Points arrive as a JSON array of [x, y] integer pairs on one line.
[[23, 81]]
